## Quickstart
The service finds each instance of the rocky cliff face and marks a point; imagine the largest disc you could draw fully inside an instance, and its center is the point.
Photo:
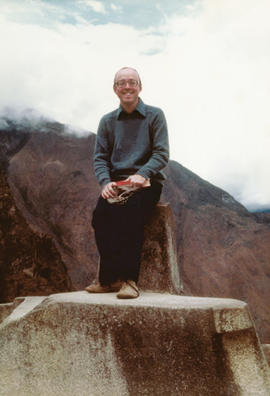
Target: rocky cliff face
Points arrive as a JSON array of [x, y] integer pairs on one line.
[[223, 250], [30, 263]]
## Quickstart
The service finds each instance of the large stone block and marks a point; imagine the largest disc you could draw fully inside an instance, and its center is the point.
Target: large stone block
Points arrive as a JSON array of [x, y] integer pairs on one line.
[[8, 308], [159, 270], [266, 349], [159, 344]]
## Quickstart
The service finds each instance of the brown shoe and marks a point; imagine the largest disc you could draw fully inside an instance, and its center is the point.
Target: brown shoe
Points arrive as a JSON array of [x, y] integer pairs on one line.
[[98, 288], [129, 289]]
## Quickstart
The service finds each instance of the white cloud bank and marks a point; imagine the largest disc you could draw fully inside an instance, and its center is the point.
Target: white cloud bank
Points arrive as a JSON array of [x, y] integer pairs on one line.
[[208, 70]]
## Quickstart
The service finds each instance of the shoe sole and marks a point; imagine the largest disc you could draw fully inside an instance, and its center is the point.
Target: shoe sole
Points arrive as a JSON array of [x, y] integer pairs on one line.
[[126, 295]]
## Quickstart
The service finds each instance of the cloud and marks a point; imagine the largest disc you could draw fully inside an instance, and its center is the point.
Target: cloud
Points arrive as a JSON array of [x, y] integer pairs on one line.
[[66, 72], [208, 70], [218, 70], [39, 12], [97, 6], [23, 119], [115, 7]]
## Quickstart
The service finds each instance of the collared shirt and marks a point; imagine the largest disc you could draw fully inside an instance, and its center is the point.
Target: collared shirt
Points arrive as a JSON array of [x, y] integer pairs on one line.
[[129, 143]]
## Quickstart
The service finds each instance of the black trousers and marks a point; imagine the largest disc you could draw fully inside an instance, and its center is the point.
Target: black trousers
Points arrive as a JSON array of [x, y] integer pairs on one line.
[[119, 233]]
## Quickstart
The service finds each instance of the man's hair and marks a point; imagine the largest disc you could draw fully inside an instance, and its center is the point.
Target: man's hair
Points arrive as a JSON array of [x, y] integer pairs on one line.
[[126, 67]]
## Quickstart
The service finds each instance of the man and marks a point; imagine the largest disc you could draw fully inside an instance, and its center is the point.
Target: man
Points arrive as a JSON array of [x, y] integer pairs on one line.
[[131, 145]]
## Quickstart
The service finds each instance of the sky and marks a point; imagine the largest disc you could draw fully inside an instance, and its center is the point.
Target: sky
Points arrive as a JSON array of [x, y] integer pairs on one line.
[[204, 62]]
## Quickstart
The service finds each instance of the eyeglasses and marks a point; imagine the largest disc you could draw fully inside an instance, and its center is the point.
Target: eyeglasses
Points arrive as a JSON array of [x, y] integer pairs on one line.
[[123, 83]]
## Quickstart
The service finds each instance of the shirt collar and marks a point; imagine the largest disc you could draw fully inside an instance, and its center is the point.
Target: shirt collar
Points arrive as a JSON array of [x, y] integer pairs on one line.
[[140, 108]]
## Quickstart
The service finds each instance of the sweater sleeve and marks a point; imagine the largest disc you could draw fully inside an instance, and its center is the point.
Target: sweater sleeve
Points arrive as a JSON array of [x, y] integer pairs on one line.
[[160, 147], [102, 155]]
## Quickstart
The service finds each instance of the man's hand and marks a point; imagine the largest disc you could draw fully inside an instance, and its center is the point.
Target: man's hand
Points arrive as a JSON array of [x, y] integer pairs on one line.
[[108, 191], [136, 180]]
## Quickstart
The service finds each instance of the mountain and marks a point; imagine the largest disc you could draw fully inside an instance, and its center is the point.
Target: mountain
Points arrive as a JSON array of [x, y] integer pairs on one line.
[[30, 262], [223, 250]]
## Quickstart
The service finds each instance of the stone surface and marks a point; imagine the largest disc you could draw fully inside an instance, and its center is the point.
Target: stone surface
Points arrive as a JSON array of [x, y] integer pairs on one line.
[[159, 268], [159, 344], [7, 309], [266, 349]]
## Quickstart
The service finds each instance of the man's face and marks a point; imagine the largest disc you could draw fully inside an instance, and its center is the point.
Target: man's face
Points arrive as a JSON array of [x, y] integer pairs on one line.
[[124, 88]]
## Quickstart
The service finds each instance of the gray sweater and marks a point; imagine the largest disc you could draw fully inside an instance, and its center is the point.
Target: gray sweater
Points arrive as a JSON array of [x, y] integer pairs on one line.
[[131, 143]]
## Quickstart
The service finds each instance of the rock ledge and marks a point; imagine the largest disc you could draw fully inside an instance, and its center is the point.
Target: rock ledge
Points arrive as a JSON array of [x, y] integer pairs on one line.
[[86, 344]]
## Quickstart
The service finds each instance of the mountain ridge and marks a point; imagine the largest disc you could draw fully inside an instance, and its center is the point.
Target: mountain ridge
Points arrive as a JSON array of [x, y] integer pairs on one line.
[[223, 249]]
